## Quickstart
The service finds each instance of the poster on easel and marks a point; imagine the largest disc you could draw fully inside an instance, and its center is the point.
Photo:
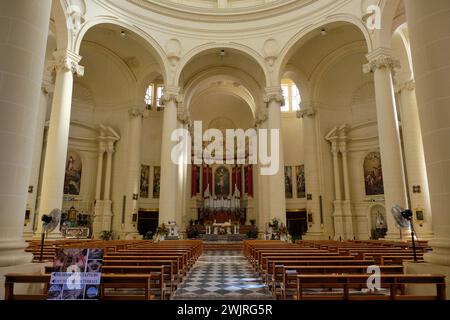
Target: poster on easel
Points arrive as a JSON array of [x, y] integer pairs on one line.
[[76, 274]]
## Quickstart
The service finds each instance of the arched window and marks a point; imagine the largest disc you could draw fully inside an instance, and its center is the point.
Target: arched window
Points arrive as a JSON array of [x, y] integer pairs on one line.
[[149, 96], [291, 94], [153, 96]]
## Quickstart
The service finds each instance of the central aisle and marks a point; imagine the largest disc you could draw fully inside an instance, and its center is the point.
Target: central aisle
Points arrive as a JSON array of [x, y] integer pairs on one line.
[[222, 275]]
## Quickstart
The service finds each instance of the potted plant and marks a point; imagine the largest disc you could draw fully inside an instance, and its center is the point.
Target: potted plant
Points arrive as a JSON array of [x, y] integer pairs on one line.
[[106, 235]]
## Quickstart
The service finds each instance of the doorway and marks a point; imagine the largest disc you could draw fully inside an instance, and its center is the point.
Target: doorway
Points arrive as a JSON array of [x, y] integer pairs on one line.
[[296, 223], [147, 222]]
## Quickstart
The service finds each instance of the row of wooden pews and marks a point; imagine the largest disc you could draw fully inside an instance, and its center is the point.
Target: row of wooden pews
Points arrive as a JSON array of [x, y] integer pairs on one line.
[[322, 270], [136, 270]]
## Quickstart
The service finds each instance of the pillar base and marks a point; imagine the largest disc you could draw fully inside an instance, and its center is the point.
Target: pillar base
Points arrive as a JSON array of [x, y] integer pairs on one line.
[[28, 235], [426, 268], [395, 236], [131, 235], [313, 235], [12, 252], [441, 252], [103, 216]]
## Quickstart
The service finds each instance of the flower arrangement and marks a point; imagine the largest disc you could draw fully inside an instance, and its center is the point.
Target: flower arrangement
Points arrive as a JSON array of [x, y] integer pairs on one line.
[[283, 229], [275, 224], [162, 231]]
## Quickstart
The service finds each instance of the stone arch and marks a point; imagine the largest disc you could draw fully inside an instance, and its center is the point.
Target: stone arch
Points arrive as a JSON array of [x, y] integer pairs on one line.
[[329, 62], [250, 91], [210, 47], [149, 42], [295, 42]]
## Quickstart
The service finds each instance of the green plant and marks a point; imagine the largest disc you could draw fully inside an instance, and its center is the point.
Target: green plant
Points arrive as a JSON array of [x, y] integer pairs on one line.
[[192, 232], [275, 224], [106, 235], [148, 235]]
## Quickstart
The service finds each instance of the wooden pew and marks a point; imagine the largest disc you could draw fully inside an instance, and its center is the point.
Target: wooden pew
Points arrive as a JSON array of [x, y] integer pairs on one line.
[[136, 281], [289, 274], [158, 273], [276, 267], [346, 282]]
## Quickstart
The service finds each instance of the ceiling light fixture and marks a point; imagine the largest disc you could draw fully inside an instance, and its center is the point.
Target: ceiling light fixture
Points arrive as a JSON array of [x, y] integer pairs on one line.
[[123, 34], [323, 32]]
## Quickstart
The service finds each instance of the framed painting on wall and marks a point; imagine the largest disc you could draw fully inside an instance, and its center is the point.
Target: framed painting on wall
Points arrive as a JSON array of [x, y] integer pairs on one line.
[[373, 174], [72, 178], [144, 184], [300, 178], [288, 182], [156, 181]]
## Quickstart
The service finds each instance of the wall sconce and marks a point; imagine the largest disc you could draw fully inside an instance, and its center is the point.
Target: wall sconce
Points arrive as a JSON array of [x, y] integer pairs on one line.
[[417, 189], [309, 196], [30, 189], [135, 196]]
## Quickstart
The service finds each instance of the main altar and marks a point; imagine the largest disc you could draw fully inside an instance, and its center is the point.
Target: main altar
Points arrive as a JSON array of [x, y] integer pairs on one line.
[[221, 204]]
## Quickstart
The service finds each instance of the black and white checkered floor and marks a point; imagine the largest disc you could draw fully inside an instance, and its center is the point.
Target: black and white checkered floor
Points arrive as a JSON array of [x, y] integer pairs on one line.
[[222, 275]]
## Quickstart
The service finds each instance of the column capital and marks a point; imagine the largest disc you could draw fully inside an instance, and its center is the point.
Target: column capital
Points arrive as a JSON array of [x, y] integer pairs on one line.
[[136, 112], [101, 147], [48, 83], [274, 94], [381, 58], [260, 117], [110, 146], [171, 94], [183, 116], [334, 145], [409, 85], [343, 148], [308, 109], [68, 61]]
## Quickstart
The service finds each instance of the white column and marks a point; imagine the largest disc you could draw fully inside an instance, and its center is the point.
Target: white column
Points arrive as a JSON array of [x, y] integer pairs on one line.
[[414, 157], [343, 150], [263, 186], [133, 171], [308, 114], [429, 32], [66, 64], [381, 63], [336, 171], [337, 203], [22, 48], [274, 100], [98, 187], [44, 101], [108, 171], [168, 190], [346, 204]]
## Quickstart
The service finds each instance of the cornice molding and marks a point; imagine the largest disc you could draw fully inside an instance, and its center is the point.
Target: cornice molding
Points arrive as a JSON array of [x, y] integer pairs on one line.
[[215, 15]]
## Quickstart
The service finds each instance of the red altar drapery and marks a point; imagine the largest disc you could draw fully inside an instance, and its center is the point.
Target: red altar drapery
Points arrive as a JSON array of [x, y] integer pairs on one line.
[[249, 181]]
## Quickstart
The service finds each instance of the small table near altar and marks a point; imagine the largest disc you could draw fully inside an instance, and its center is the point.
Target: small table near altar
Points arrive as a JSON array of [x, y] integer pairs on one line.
[[225, 227]]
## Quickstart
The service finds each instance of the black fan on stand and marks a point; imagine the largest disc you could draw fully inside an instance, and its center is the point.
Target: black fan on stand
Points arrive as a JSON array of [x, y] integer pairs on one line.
[[403, 218], [50, 222]]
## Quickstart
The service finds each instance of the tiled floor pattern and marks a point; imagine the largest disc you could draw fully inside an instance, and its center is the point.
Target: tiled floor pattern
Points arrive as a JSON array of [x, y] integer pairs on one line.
[[222, 275]]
